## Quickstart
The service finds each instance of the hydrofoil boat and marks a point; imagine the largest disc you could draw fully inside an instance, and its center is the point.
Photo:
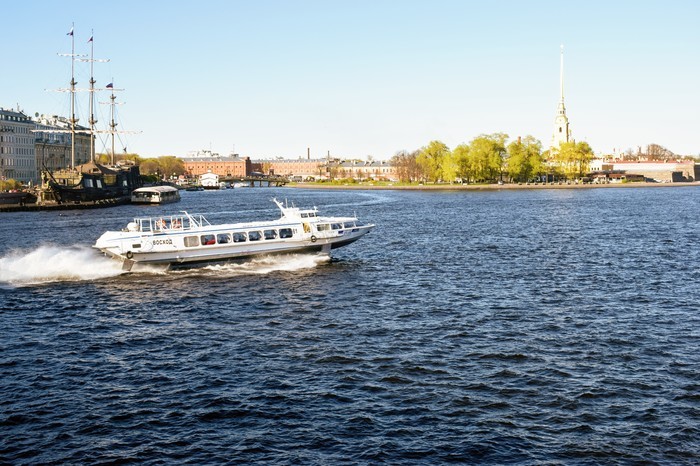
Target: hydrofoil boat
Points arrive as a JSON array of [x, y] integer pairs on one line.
[[189, 240]]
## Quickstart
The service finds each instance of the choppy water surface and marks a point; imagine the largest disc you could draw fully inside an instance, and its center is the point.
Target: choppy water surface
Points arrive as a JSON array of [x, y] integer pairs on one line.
[[556, 327]]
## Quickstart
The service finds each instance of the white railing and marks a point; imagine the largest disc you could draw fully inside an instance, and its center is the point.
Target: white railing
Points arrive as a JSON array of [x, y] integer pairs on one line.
[[167, 223]]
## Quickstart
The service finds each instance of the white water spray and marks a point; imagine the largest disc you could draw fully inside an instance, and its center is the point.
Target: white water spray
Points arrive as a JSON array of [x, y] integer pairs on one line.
[[268, 264], [47, 264]]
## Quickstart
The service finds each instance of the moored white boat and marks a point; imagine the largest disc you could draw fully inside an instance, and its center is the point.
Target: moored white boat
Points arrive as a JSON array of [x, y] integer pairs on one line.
[[155, 195], [188, 240]]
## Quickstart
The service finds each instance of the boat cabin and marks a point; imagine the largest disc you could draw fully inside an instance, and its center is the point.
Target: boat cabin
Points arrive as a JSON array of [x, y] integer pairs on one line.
[[155, 195]]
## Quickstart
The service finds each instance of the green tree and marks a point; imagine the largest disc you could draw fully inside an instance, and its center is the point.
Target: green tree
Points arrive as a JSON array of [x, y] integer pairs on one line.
[[538, 161], [518, 162], [149, 166], [431, 160], [106, 159], [10, 184], [524, 158], [170, 165], [165, 166], [103, 159], [460, 158], [487, 156], [573, 158], [450, 167], [585, 157]]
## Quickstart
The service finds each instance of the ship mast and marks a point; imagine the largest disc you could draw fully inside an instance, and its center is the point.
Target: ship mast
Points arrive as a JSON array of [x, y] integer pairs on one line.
[[73, 120], [92, 90], [92, 96], [72, 97], [113, 124]]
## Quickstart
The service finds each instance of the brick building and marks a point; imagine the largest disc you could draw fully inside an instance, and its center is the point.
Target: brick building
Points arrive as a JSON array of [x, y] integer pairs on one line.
[[302, 168], [232, 166]]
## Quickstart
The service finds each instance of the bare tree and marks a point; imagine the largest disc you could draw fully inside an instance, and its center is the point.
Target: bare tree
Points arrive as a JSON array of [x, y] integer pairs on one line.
[[407, 168], [657, 152]]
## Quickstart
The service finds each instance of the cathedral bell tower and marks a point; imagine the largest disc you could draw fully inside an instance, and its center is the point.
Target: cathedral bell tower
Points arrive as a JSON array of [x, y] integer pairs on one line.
[[562, 133]]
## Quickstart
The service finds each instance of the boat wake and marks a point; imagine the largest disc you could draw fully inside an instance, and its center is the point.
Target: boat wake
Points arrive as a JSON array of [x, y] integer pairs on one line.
[[264, 265], [47, 264]]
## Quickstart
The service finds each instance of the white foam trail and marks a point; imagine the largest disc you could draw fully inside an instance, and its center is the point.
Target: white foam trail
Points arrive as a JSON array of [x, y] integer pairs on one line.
[[155, 269], [47, 264], [267, 264]]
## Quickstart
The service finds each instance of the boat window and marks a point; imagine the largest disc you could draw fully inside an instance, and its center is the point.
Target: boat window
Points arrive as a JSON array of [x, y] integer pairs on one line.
[[191, 241], [87, 182], [208, 240], [223, 238], [304, 215], [286, 233], [323, 227], [239, 237], [270, 234], [254, 235], [337, 226], [349, 224]]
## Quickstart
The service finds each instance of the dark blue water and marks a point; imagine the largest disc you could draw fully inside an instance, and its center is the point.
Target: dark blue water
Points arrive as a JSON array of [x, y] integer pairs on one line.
[[529, 327]]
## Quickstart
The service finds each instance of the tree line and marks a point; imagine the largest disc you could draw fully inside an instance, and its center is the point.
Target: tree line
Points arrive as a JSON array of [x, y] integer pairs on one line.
[[653, 152], [490, 158], [164, 166]]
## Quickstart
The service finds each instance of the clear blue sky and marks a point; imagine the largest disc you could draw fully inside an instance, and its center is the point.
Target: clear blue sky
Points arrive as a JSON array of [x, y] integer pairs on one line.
[[359, 78]]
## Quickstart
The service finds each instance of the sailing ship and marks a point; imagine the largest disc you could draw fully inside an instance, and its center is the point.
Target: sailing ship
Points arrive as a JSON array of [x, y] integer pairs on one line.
[[91, 182]]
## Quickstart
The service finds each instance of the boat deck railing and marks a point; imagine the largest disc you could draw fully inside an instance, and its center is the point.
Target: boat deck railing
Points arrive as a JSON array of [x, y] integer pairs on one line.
[[168, 223]]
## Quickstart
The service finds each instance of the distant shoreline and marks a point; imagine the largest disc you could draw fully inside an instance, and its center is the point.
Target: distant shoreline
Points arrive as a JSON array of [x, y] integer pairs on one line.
[[490, 187]]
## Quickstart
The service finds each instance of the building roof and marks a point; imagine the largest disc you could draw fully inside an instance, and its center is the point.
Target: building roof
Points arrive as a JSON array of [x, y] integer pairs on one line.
[[359, 163], [13, 115], [290, 160], [214, 159]]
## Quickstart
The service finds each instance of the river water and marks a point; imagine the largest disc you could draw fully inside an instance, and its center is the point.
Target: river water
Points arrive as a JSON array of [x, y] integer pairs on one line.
[[501, 327]]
